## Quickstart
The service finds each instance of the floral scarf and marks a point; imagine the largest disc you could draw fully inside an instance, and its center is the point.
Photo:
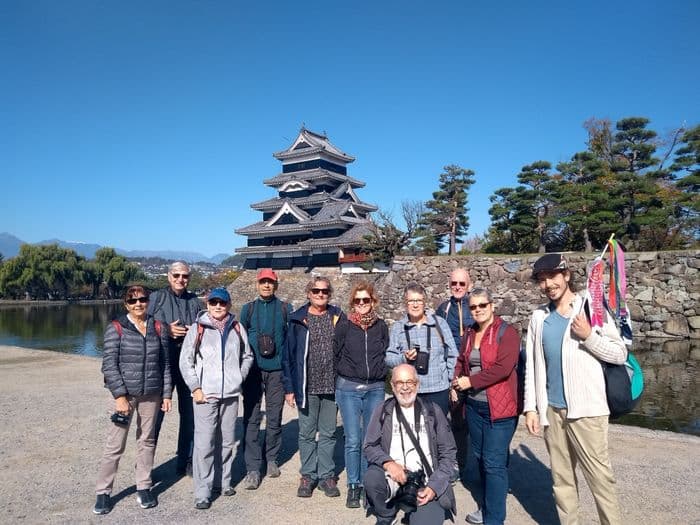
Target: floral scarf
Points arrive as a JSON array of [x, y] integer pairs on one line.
[[363, 321], [220, 325]]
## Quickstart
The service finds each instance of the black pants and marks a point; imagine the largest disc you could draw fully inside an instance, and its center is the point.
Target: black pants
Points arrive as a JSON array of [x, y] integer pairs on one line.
[[185, 435], [377, 491], [257, 383]]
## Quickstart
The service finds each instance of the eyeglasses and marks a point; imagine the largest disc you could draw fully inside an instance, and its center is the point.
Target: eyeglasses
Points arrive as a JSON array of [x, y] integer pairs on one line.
[[266, 281], [324, 291], [178, 275], [415, 301], [362, 300], [411, 383], [216, 302], [134, 300], [480, 306], [458, 283]]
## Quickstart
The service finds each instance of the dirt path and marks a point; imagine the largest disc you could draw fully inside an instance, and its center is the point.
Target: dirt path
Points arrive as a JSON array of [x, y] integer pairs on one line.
[[54, 411]]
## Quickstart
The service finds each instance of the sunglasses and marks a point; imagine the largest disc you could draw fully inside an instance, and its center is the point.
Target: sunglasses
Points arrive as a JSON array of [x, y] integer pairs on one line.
[[216, 302], [458, 283], [134, 300], [324, 291], [178, 275], [480, 306], [362, 300]]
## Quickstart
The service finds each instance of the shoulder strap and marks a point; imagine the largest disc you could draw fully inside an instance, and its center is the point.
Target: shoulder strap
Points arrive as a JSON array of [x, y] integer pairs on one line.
[[285, 312], [158, 326], [198, 341], [241, 347], [439, 331], [117, 327], [408, 337], [402, 419], [501, 331], [249, 313]]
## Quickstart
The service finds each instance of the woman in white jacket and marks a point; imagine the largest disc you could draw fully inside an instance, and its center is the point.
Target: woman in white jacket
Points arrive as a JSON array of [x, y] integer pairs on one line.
[[565, 391], [215, 359]]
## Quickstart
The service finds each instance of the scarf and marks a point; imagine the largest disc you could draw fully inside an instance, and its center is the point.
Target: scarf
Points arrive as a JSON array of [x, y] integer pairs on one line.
[[220, 325], [363, 321]]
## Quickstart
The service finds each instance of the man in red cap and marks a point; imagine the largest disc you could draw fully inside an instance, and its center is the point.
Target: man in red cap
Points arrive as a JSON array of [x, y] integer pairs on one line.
[[265, 320]]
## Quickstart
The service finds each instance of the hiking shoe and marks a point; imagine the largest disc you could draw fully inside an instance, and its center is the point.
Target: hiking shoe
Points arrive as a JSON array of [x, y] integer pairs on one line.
[[103, 504], [273, 470], [146, 499], [229, 491], [354, 495], [306, 487], [476, 517], [202, 504], [329, 486], [251, 480]]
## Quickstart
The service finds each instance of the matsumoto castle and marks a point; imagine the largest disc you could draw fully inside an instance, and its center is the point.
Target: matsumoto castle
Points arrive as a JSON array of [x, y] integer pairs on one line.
[[316, 219]]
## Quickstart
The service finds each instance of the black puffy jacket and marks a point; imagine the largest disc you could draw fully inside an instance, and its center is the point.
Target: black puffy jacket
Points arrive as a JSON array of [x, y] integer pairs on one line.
[[136, 365], [359, 355]]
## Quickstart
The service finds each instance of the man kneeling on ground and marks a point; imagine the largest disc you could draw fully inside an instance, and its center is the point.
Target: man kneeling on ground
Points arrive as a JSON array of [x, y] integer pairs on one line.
[[411, 455]]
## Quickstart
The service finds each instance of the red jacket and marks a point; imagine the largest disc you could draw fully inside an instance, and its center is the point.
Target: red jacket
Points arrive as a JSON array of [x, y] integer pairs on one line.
[[498, 368]]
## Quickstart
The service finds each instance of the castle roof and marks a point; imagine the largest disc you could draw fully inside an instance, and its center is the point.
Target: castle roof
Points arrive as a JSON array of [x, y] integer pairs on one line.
[[310, 176], [310, 143]]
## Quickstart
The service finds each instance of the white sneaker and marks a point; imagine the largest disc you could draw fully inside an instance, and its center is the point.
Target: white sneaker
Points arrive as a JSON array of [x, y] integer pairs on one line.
[[476, 517]]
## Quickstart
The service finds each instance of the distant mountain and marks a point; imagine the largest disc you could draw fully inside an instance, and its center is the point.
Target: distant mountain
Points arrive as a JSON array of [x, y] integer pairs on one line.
[[9, 247]]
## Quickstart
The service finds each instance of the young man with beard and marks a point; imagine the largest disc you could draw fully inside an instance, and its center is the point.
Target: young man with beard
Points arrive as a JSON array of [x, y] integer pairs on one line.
[[565, 391]]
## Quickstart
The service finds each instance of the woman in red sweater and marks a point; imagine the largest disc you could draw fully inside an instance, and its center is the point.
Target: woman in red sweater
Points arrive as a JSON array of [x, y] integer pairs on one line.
[[485, 376]]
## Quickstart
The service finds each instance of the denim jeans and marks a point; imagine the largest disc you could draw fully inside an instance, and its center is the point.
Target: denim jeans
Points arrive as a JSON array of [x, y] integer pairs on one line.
[[356, 402], [491, 446], [318, 416]]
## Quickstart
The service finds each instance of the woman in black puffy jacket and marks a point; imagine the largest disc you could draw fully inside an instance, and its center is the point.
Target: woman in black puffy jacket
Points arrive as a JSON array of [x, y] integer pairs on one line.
[[360, 346], [136, 371]]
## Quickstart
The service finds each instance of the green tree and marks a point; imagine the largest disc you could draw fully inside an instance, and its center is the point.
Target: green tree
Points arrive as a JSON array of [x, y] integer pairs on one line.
[[41, 271], [116, 272], [523, 218], [686, 169], [446, 214]]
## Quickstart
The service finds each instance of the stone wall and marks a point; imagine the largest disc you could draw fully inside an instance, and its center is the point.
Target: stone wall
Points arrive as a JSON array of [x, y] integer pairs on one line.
[[662, 291]]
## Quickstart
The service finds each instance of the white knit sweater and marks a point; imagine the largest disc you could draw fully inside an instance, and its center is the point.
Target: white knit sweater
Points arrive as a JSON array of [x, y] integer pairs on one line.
[[584, 384]]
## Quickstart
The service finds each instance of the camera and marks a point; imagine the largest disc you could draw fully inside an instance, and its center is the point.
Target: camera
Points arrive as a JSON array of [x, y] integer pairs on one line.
[[406, 496], [120, 419], [422, 361]]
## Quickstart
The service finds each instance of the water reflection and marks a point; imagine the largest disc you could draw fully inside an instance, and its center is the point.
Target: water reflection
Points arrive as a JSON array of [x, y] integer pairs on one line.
[[670, 400], [671, 393], [72, 328]]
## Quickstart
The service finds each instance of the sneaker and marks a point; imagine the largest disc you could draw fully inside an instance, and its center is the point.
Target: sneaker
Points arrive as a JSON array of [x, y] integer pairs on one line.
[[306, 487], [146, 499], [329, 486], [273, 470], [103, 504], [354, 495], [202, 504], [251, 480], [229, 491], [476, 517]]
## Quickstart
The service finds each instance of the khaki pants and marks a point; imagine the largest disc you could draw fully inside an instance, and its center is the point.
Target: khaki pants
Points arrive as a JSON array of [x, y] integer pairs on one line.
[[582, 442], [144, 409]]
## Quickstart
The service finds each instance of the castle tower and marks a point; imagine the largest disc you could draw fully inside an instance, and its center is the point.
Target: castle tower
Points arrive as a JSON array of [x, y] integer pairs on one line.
[[316, 219]]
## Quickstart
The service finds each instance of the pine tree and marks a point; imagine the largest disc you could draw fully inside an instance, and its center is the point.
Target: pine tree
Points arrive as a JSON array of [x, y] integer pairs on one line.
[[446, 215]]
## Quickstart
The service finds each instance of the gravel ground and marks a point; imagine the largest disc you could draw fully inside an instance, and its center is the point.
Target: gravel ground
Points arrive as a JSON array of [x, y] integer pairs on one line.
[[54, 417]]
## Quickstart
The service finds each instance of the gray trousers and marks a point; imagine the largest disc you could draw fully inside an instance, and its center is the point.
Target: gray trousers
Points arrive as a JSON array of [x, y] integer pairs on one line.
[[318, 416], [214, 444], [144, 409]]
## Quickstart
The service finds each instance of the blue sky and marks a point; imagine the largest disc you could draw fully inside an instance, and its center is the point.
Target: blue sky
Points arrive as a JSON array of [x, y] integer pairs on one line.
[[151, 125]]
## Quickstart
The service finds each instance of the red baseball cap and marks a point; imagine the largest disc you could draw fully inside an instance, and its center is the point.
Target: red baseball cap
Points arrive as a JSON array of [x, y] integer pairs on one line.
[[266, 273]]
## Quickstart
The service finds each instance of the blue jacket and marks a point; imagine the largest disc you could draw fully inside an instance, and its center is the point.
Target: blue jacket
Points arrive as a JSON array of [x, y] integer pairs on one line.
[[449, 311], [295, 357]]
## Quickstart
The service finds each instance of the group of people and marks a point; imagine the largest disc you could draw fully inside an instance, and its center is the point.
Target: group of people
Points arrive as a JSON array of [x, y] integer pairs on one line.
[[454, 378]]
